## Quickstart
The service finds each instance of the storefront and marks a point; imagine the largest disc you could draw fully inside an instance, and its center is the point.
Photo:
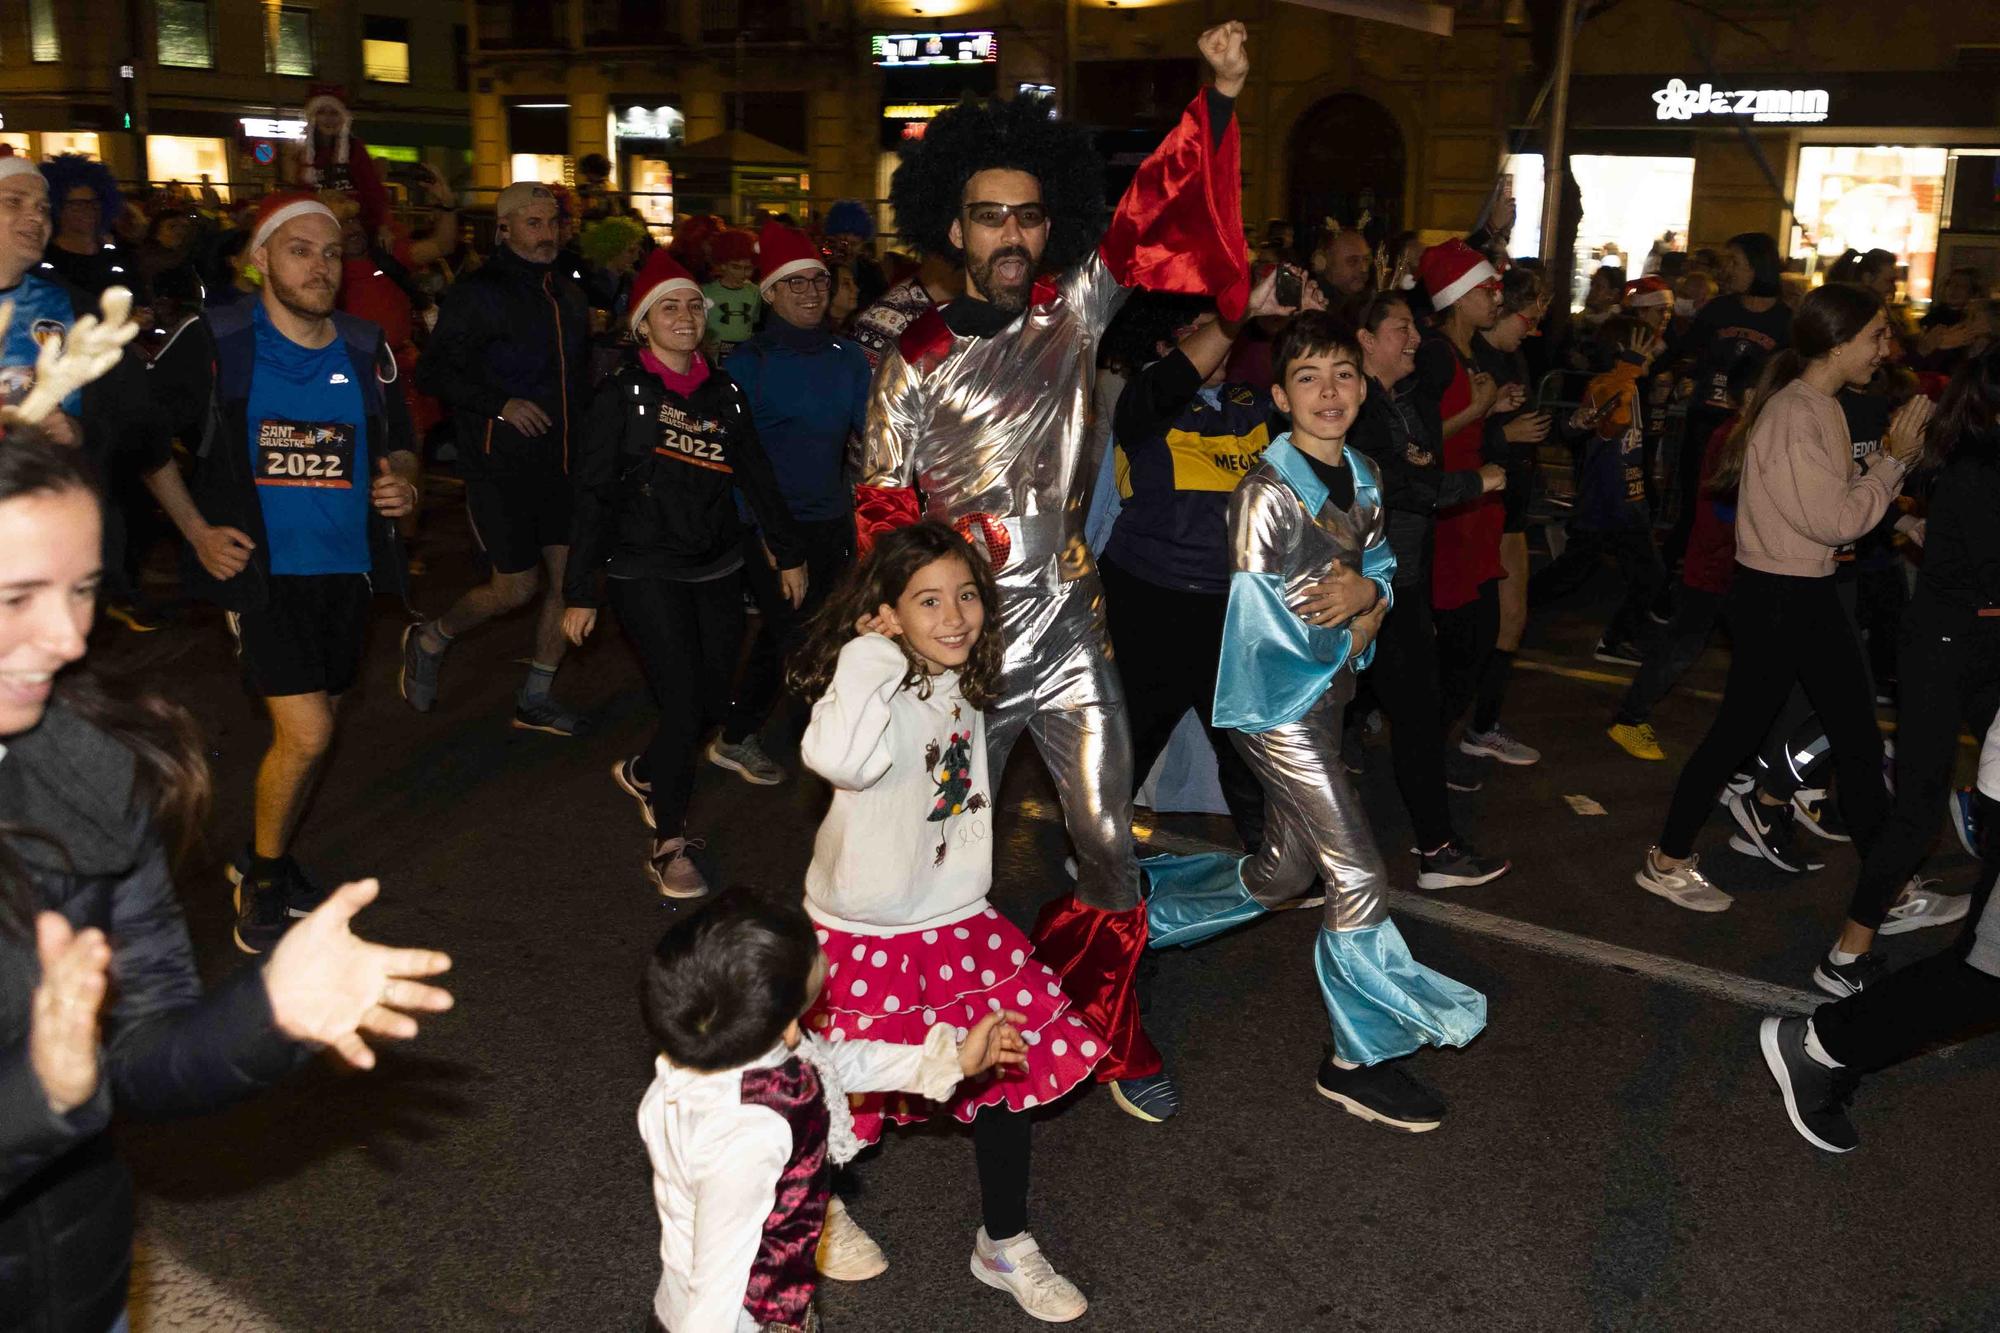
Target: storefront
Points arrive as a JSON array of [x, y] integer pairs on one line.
[[644, 131], [922, 74], [1824, 162]]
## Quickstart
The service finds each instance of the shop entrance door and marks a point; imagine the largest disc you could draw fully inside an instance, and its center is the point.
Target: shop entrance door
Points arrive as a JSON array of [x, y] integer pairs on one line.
[[1632, 206]]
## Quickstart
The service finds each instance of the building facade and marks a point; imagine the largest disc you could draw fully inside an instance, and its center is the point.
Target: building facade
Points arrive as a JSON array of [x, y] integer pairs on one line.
[[173, 90]]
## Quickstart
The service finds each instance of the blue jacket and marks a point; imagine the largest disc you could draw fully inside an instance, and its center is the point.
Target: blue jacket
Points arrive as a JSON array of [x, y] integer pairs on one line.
[[808, 393], [1285, 533]]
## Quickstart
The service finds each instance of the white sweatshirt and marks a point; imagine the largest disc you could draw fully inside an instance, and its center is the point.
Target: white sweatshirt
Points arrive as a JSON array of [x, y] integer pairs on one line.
[[717, 1162], [907, 844]]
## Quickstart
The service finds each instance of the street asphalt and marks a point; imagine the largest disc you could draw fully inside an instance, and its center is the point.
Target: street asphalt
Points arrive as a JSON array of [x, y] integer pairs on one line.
[[1615, 1158]]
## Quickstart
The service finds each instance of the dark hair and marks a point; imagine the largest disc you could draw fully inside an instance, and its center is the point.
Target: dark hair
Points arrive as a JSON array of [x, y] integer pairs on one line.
[[171, 778], [1619, 330], [1149, 319], [1968, 414], [1380, 306], [1856, 265], [1311, 333], [879, 578], [1762, 253], [1615, 273], [928, 189], [725, 982], [1829, 316], [594, 164], [1522, 289]]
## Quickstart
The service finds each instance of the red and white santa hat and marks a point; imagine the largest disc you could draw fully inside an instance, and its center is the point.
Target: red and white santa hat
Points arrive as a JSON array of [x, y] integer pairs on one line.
[[22, 165], [278, 209], [784, 252], [659, 276], [1646, 292], [1451, 269]]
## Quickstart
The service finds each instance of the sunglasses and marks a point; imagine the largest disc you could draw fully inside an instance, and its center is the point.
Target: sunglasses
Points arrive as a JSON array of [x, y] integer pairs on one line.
[[988, 214]]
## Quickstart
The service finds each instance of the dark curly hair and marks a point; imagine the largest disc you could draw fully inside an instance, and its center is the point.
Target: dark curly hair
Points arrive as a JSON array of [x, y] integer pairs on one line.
[[879, 578], [1147, 320], [66, 171], [1020, 135]]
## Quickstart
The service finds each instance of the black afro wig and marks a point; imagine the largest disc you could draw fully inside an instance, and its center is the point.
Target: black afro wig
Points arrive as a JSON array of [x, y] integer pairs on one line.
[[1020, 135], [67, 171]]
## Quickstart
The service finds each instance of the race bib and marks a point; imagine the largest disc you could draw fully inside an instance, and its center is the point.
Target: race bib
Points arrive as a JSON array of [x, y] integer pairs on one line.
[[305, 453]]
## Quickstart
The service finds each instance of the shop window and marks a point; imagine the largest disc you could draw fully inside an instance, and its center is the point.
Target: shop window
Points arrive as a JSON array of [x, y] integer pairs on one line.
[[1632, 207], [385, 50], [1885, 197], [172, 158], [651, 190], [184, 38], [549, 168], [81, 142], [292, 52], [44, 42], [22, 145]]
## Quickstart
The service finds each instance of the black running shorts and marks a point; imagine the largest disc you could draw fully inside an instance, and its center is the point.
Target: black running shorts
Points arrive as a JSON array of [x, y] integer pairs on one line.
[[515, 514], [308, 635]]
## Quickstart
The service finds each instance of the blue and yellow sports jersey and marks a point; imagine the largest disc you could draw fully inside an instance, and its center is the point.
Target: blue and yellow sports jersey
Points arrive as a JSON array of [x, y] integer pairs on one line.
[[1181, 450], [43, 313]]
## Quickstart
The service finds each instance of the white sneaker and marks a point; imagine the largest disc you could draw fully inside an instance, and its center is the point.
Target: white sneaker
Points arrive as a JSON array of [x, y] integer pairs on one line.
[[846, 1252], [1497, 744], [1920, 904], [1685, 886], [1019, 1268]]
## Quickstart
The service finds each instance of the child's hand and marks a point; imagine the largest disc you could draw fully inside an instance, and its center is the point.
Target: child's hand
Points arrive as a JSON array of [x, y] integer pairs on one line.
[[883, 622], [994, 1040]]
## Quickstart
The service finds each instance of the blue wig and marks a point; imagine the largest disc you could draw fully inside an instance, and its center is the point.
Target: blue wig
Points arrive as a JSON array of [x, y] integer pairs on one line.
[[849, 217], [69, 170]]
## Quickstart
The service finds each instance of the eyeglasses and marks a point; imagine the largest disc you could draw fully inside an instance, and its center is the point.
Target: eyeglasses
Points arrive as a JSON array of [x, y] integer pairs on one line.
[[989, 214], [799, 286]]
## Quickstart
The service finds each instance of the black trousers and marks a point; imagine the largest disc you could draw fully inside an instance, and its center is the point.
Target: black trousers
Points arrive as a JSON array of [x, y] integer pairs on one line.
[[687, 636], [1950, 673], [1940, 999], [1787, 628], [1465, 638], [1670, 653], [1167, 644], [1638, 565], [829, 547], [1699, 425], [1404, 679]]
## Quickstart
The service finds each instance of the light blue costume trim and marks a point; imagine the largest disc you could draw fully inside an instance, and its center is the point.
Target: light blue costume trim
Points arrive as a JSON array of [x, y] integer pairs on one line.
[[1274, 665], [1384, 1003], [1191, 899]]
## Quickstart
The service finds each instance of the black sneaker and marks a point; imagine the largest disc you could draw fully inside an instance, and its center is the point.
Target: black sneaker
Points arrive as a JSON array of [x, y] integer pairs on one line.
[[1841, 980], [261, 915], [1767, 831], [1618, 654], [1816, 1097], [1461, 770], [1381, 1093], [1457, 866]]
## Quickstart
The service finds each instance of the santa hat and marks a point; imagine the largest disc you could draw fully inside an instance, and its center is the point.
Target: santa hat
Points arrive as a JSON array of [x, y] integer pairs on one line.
[[13, 165], [1450, 270], [660, 275], [729, 246], [278, 209], [1646, 292], [319, 96], [784, 252]]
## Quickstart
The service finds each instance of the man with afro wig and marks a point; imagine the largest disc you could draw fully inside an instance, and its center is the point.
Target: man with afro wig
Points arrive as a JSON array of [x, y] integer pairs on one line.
[[977, 417]]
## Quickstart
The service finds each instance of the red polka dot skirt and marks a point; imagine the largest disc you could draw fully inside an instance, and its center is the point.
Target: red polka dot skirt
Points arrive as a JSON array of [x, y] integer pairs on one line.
[[898, 987]]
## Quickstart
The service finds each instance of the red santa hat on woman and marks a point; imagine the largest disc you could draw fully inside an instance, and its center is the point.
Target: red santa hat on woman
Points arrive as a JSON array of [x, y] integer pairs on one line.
[[1452, 269], [277, 209], [784, 252], [1651, 290], [659, 276], [320, 97]]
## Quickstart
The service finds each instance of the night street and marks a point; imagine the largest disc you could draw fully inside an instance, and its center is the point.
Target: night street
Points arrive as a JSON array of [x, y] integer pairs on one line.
[[1616, 1156]]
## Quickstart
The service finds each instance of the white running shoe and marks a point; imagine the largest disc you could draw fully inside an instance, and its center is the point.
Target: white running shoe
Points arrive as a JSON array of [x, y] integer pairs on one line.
[[1497, 744], [846, 1252], [1920, 904], [1019, 1268], [1684, 886]]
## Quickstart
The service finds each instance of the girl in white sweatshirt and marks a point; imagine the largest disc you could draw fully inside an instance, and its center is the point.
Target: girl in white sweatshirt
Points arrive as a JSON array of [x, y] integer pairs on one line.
[[898, 667]]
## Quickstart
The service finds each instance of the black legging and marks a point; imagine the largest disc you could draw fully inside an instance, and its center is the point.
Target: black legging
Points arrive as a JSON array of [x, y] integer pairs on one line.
[[1950, 673], [1404, 678], [687, 636], [1465, 639], [1001, 1146], [829, 547], [1698, 427], [1786, 628]]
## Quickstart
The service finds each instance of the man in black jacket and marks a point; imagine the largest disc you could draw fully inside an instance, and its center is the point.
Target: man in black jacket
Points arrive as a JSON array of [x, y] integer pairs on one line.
[[508, 358], [305, 461]]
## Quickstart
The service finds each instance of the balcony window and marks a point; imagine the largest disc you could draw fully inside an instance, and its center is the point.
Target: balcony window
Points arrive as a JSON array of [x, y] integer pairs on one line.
[[385, 50], [184, 40], [293, 53], [44, 42]]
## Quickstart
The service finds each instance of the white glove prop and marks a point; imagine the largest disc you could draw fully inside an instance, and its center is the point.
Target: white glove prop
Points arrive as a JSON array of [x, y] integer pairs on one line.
[[91, 348]]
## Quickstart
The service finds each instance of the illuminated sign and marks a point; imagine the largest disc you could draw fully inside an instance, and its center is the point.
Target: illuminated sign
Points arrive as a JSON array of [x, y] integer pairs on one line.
[[899, 49], [257, 127], [915, 110], [638, 122], [1677, 101]]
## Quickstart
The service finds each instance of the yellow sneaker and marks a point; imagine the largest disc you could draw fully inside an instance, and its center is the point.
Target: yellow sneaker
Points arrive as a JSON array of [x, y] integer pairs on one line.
[[1639, 741]]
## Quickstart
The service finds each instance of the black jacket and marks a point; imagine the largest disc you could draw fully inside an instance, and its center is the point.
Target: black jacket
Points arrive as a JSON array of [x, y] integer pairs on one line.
[[1959, 584], [201, 382], [1400, 434], [511, 329], [169, 1050], [655, 485]]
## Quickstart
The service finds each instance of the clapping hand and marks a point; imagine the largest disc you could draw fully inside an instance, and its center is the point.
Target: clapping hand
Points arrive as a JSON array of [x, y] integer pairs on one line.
[[330, 987], [62, 1022], [994, 1040], [1905, 436]]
